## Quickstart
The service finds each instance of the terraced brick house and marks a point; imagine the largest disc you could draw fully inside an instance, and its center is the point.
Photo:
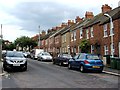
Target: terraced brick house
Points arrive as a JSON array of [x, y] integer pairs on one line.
[[65, 35], [98, 32], [107, 46], [77, 34]]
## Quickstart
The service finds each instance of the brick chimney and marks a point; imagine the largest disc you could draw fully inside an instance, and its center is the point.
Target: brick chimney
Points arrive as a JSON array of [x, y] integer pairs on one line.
[[49, 30], [78, 19], [63, 25], [70, 22], [89, 15], [105, 8], [57, 28], [43, 33]]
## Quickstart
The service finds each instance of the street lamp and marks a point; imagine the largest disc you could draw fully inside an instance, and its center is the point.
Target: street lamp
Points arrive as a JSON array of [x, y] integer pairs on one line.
[[1, 36], [111, 32]]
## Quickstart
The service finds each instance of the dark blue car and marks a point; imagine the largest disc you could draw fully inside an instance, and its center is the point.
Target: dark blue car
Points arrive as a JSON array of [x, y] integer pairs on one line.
[[85, 62], [62, 59]]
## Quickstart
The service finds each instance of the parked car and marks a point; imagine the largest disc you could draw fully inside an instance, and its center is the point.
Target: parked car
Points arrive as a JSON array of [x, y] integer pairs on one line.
[[84, 62], [62, 59], [44, 56], [14, 60]]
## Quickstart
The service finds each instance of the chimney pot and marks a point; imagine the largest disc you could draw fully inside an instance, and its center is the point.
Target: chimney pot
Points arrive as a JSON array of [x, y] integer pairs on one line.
[[78, 19], [105, 8]]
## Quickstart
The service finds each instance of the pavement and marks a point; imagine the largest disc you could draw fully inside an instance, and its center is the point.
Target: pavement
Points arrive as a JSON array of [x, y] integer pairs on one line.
[[106, 70]]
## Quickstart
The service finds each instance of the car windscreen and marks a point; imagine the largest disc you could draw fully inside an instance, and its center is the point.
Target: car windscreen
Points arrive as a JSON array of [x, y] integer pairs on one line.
[[92, 57], [14, 54]]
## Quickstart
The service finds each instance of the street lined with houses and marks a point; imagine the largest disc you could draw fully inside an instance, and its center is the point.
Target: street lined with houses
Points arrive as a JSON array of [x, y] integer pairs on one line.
[[81, 53], [46, 75]]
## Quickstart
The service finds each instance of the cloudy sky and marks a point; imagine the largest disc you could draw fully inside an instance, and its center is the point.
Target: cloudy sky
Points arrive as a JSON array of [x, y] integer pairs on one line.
[[22, 17]]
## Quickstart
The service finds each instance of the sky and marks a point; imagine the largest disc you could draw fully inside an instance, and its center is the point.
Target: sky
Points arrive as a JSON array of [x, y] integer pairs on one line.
[[23, 17]]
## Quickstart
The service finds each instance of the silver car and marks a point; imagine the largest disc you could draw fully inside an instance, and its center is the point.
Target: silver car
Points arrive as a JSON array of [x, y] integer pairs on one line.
[[44, 56], [14, 60]]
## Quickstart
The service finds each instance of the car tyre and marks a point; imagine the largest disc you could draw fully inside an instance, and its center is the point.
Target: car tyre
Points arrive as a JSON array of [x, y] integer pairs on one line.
[[4, 67], [25, 69], [82, 69], [69, 66], [60, 63], [100, 71]]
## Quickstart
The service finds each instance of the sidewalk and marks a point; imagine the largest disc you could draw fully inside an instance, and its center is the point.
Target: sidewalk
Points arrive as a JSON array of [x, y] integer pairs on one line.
[[111, 71]]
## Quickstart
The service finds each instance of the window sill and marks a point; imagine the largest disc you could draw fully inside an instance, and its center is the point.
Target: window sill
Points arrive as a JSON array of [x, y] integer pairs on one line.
[[105, 36], [111, 35]]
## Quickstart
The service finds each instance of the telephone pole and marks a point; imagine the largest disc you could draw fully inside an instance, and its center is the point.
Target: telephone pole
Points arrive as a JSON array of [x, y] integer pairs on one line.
[[39, 38]]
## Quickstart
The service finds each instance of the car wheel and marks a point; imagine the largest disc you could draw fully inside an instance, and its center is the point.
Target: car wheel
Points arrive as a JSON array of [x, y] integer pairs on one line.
[[69, 66], [60, 64], [100, 71], [25, 69], [82, 68], [53, 62], [4, 67]]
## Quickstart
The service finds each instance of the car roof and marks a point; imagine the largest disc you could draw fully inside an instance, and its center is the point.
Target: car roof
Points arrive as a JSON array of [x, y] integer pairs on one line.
[[14, 51], [87, 53]]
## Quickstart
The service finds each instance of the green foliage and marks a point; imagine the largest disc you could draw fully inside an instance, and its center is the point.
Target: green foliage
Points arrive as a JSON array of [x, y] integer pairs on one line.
[[24, 41], [8, 46], [85, 46]]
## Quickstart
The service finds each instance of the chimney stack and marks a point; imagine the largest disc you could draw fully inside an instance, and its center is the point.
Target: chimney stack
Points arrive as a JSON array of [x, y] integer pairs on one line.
[[49, 30], [43, 33], [105, 8], [63, 25], [70, 22], [78, 19], [89, 15]]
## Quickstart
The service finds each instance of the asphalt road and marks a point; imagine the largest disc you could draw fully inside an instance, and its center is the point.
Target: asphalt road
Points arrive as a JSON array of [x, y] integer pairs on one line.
[[46, 75]]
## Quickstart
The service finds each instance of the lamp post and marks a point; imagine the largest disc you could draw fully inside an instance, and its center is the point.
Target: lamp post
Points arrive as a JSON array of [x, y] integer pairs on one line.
[[1, 44], [39, 39], [111, 32]]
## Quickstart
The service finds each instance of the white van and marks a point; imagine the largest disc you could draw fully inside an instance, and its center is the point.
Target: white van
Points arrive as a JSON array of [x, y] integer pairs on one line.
[[35, 52]]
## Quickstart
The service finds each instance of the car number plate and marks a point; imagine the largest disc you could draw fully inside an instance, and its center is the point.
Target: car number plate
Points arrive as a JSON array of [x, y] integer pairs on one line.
[[16, 64], [65, 62], [96, 66]]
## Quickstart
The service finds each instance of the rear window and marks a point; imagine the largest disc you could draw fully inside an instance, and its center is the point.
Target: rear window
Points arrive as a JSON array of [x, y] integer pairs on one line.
[[67, 56], [92, 57]]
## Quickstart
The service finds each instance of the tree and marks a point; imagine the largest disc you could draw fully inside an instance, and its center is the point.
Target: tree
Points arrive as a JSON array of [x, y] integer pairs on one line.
[[10, 46], [25, 42], [85, 46]]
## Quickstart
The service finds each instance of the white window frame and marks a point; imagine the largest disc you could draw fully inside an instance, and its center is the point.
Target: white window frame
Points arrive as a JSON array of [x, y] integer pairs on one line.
[[91, 32], [106, 50], [62, 38], [74, 36], [105, 30], [65, 38], [87, 33], [81, 33]]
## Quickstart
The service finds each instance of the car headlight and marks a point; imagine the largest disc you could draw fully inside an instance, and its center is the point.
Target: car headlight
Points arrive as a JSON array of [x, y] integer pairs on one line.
[[9, 61]]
